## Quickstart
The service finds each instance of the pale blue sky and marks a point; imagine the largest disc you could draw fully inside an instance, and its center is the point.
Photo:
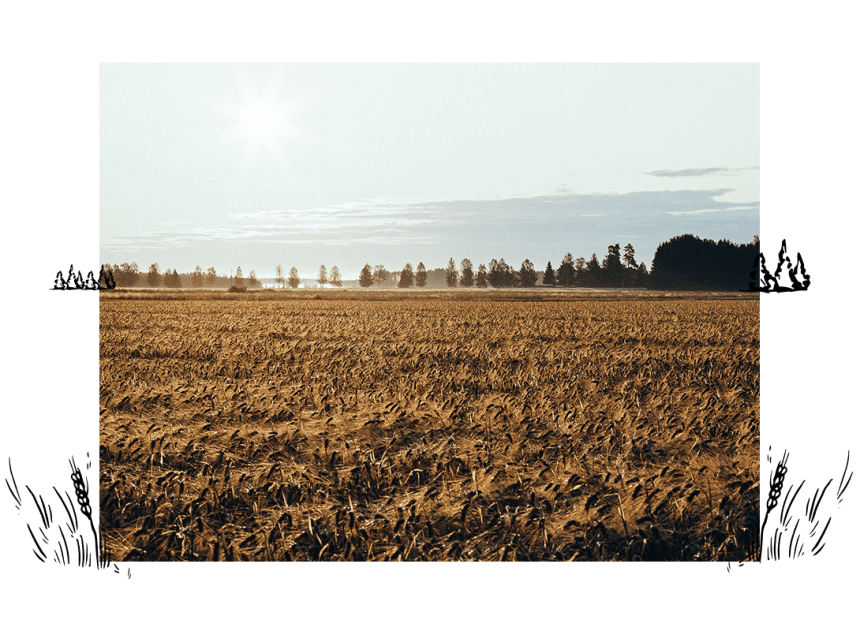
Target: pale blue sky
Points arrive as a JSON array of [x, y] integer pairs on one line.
[[255, 165]]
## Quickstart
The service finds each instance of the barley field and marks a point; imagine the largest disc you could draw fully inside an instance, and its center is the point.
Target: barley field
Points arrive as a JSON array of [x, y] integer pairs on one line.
[[429, 430]]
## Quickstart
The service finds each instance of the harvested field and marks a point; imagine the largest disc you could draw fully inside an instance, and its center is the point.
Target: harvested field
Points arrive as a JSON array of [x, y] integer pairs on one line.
[[429, 429]]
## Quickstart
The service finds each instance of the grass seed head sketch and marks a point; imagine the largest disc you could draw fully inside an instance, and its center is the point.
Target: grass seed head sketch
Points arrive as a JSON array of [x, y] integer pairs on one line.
[[798, 278]]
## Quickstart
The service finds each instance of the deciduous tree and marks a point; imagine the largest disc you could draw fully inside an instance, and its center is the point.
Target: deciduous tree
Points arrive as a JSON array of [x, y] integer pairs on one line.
[[279, 276], [322, 278], [197, 277], [153, 276], [365, 278], [335, 279], [294, 279], [211, 276], [126, 275], [380, 274]]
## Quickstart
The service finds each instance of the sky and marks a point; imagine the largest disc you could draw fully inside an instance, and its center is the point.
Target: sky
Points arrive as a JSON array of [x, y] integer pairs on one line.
[[256, 165]]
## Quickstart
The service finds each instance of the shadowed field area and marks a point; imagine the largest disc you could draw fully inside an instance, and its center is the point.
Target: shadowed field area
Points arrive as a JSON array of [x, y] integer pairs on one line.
[[430, 428]]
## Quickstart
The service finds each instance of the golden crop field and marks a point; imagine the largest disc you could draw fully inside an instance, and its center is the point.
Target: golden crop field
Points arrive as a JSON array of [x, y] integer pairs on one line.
[[429, 430]]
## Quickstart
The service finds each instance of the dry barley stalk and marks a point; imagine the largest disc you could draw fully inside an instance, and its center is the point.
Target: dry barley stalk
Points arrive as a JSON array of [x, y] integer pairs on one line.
[[82, 493], [777, 479]]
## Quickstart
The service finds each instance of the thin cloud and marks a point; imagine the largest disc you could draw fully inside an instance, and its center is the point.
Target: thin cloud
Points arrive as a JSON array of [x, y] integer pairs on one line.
[[469, 222], [713, 210], [698, 172], [689, 172]]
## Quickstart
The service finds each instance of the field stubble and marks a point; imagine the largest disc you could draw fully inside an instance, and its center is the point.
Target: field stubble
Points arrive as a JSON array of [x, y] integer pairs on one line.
[[417, 430]]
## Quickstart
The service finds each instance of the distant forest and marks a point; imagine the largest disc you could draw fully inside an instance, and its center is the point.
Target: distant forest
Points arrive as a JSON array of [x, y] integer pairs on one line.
[[685, 262]]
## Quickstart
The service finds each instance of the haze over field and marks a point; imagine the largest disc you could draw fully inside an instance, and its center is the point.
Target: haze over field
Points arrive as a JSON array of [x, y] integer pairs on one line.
[[256, 165]]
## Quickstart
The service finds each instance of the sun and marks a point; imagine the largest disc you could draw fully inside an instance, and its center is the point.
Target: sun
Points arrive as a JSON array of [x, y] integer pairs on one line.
[[261, 121]]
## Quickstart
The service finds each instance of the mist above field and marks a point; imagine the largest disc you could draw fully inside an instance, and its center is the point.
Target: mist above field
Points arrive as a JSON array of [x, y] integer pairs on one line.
[[327, 164]]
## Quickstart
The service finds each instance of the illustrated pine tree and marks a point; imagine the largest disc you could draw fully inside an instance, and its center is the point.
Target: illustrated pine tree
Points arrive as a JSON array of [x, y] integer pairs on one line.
[[60, 282]]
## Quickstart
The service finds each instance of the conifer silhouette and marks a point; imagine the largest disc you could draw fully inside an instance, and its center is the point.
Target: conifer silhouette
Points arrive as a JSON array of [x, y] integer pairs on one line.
[[60, 282]]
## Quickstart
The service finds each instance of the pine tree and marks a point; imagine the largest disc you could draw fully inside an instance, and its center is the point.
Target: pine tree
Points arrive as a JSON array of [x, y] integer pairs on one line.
[[565, 271], [643, 274], [407, 277], [60, 282], [593, 271], [420, 275], [549, 274], [612, 267], [365, 278], [630, 266], [481, 276], [451, 273], [467, 277], [579, 275], [528, 275]]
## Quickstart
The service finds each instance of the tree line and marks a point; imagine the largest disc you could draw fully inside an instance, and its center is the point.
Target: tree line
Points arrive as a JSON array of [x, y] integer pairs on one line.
[[685, 262], [615, 271], [129, 275]]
